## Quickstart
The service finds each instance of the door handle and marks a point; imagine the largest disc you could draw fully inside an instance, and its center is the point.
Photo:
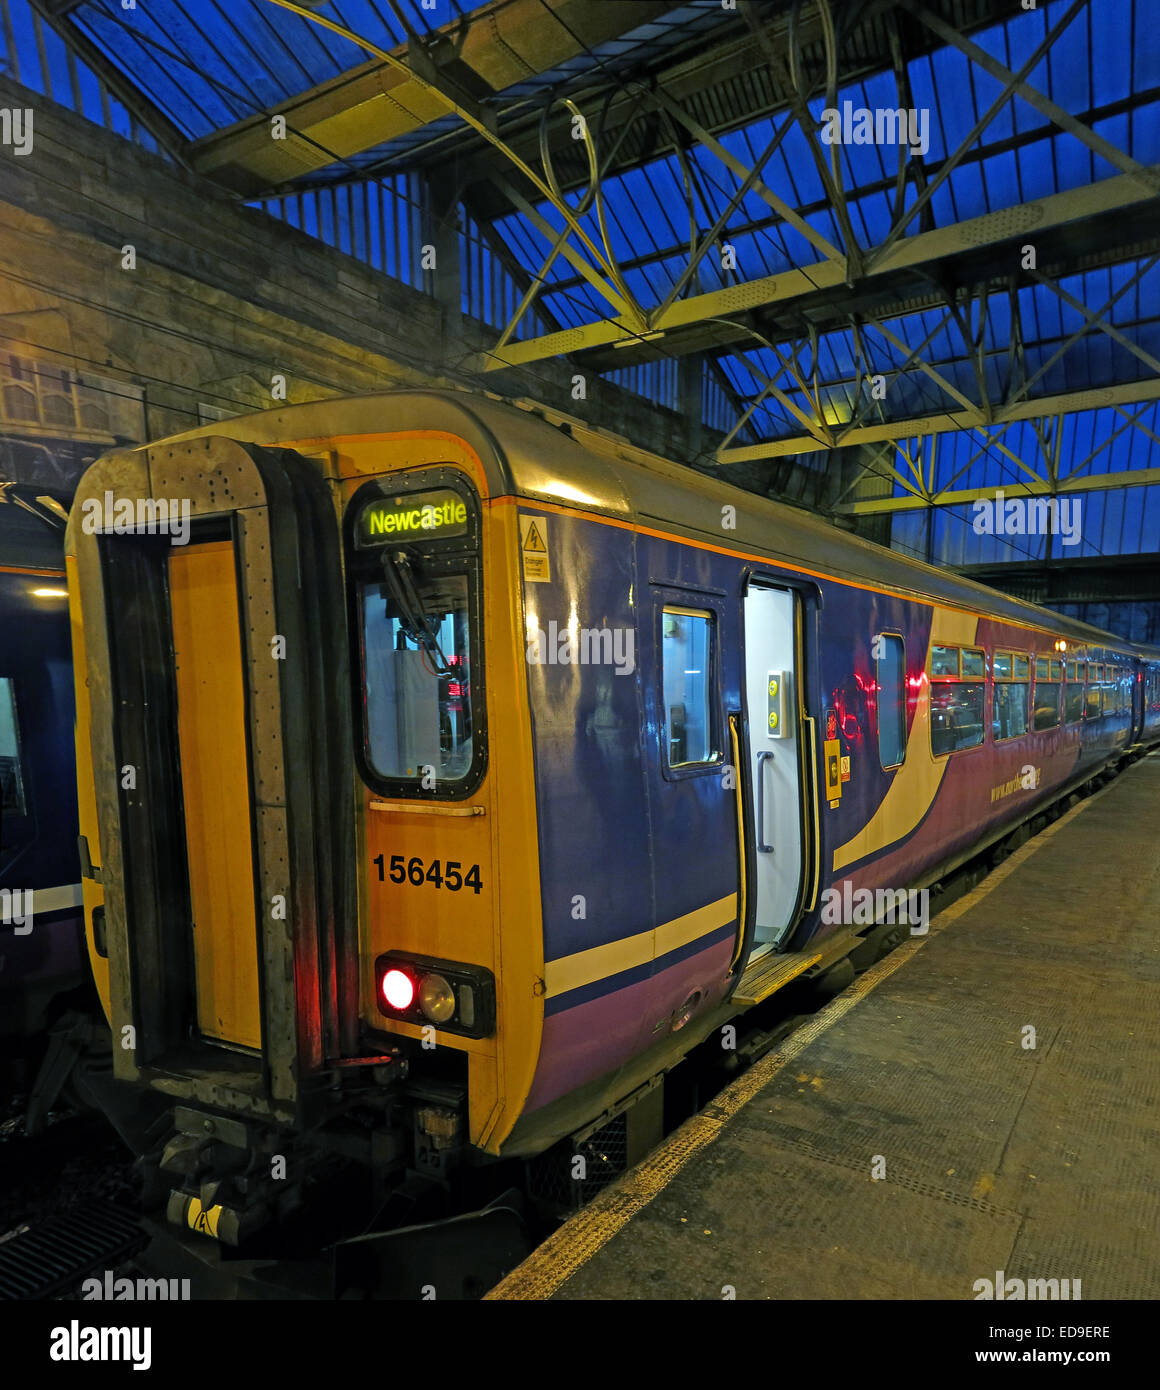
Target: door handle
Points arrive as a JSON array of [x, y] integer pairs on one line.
[[762, 847]]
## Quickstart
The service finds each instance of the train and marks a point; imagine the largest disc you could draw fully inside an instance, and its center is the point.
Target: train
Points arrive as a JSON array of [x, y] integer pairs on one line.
[[43, 957], [449, 770]]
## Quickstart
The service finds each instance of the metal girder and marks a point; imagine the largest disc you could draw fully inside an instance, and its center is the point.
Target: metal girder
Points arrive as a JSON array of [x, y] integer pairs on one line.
[[1013, 80], [492, 48], [723, 82], [155, 121], [1098, 482], [1129, 393], [910, 255], [1096, 319], [1044, 105], [469, 113]]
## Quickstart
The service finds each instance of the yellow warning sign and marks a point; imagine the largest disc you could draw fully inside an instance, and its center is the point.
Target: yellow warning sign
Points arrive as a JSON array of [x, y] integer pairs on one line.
[[203, 1219], [534, 547]]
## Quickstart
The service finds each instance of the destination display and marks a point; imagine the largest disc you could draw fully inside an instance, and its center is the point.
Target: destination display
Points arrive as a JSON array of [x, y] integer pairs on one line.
[[434, 515]]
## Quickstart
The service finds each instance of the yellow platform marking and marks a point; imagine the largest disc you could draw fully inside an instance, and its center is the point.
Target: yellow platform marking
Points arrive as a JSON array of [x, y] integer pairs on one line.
[[211, 727], [582, 1236], [600, 962]]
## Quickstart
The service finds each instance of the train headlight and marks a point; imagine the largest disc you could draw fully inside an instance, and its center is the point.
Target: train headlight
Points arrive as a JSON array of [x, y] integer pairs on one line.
[[436, 998], [424, 991]]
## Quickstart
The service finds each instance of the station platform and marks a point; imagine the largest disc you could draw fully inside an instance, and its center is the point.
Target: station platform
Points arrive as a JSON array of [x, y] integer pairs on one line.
[[914, 1137]]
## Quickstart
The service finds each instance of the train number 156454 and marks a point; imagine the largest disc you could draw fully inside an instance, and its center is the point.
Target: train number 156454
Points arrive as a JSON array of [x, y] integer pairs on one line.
[[414, 871]]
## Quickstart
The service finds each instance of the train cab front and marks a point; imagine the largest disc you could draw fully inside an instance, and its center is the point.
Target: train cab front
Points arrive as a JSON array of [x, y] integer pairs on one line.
[[286, 829]]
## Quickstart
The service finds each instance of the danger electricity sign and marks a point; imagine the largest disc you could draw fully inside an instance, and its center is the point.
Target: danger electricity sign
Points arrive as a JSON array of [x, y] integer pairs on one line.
[[534, 548]]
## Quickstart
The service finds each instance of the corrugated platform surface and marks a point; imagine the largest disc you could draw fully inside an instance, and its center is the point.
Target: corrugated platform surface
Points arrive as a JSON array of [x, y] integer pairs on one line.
[[998, 1147]]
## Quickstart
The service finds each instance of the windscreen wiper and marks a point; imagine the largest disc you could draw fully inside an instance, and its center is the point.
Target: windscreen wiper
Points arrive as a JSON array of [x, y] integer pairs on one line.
[[405, 596]]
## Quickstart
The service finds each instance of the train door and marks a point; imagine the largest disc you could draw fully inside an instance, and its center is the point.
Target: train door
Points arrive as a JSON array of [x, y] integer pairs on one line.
[[215, 787], [215, 691], [777, 802]]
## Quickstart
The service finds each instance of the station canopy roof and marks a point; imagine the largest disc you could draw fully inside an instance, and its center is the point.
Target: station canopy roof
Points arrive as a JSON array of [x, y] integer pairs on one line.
[[969, 247]]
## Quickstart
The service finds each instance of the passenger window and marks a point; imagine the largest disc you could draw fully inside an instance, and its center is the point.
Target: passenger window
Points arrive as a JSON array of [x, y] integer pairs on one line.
[[1021, 668], [974, 664], [944, 661], [11, 778], [1046, 693], [1074, 693], [956, 707], [891, 678], [1093, 694], [686, 657], [1009, 697]]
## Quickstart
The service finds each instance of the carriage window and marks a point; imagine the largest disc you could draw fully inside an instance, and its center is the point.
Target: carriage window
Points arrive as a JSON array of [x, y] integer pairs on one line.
[[956, 716], [944, 661], [891, 680], [11, 779], [1093, 696], [1046, 693], [686, 654], [1021, 668], [1009, 697], [956, 707], [1074, 693], [974, 664]]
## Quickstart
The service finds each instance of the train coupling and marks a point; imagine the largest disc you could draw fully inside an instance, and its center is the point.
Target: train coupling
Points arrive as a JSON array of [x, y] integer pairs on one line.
[[228, 1181]]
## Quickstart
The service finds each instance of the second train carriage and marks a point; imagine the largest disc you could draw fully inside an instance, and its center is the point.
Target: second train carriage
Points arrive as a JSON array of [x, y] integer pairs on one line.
[[460, 771], [42, 954]]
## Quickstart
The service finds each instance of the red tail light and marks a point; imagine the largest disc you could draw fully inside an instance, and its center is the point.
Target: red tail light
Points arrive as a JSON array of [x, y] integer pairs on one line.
[[398, 990]]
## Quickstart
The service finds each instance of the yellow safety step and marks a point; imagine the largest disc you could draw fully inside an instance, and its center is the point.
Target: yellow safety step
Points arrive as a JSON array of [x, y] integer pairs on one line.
[[769, 974]]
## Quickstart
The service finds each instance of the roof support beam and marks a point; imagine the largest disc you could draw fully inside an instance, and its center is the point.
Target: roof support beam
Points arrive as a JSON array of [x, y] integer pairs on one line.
[[946, 421], [493, 48], [879, 506], [1013, 81], [916, 255], [1044, 105]]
